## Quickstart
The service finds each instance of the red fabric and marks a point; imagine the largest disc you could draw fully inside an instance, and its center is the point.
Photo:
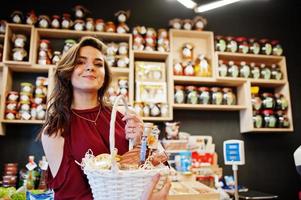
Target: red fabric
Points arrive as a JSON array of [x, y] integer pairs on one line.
[[70, 181]]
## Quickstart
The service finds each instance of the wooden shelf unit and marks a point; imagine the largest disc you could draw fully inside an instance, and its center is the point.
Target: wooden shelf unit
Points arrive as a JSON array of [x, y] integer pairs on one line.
[[5, 121], [209, 107]]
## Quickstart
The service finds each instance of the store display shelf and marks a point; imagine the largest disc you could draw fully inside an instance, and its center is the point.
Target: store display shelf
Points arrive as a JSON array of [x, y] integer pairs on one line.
[[154, 55], [17, 63], [249, 57], [31, 68], [23, 121], [208, 107], [271, 130], [2, 36], [193, 79], [156, 118], [259, 82], [63, 34], [118, 70]]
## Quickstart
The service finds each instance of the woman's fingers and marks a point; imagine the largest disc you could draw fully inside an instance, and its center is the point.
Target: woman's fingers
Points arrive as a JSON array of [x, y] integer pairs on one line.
[[150, 187]]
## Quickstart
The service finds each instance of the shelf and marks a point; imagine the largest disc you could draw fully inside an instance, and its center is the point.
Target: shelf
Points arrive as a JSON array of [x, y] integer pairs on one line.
[[18, 63], [32, 68], [277, 130], [193, 79], [259, 82], [63, 34], [153, 55], [118, 70], [249, 57], [156, 118], [208, 107], [23, 121]]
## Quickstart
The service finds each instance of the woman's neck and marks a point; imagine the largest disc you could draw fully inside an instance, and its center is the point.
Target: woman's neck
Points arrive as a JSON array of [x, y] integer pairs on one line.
[[84, 100]]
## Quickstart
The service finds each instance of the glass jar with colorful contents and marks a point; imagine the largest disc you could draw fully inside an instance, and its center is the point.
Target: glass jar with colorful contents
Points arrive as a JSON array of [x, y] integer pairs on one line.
[[233, 69], [220, 43], [268, 101], [281, 102], [243, 45], [266, 47], [179, 95], [282, 118], [245, 70], [257, 119], [254, 46], [216, 96], [265, 72], [256, 101], [229, 98], [231, 44], [269, 118], [276, 72], [222, 69], [191, 94], [204, 95], [277, 48], [255, 71]]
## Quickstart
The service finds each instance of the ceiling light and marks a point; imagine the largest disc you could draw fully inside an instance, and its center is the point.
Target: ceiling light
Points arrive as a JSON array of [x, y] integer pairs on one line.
[[217, 4], [188, 3]]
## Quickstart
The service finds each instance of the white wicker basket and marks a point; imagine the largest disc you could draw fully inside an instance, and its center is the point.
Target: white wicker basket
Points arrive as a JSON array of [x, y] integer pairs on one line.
[[116, 184]]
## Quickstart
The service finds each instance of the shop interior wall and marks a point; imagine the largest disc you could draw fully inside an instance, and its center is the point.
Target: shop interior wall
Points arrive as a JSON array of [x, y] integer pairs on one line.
[[269, 156]]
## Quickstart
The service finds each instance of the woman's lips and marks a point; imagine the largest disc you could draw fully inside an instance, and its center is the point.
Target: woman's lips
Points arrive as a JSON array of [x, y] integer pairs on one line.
[[90, 77]]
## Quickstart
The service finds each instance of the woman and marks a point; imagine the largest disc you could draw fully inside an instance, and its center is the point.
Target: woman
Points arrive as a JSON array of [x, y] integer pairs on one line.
[[78, 119]]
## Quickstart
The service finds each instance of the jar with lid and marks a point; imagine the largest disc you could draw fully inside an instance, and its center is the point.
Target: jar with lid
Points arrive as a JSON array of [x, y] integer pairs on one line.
[[79, 25], [268, 101], [138, 107], [245, 70], [123, 48], [44, 45], [216, 96], [231, 44], [233, 69], [164, 109], [189, 69], [19, 54], [243, 45], [256, 101], [220, 43], [26, 87], [254, 46], [146, 110], [55, 21], [178, 69], [281, 102], [25, 97], [222, 69], [191, 94], [90, 24], [257, 119], [255, 71], [269, 119], [56, 57], [17, 17], [12, 96], [276, 72], [266, 47], [265, 72], [99, 25], [10, 114], [11, 105], [179, 95], [229, 98], [204, 95], [277, 48], [68, 44], [282, 118], [66, 21], [154, 110], [19, 40], [110, 27], [41, 81], [24, 106]]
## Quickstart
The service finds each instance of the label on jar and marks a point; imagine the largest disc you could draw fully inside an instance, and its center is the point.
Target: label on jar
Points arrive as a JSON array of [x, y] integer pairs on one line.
[[268, 102]]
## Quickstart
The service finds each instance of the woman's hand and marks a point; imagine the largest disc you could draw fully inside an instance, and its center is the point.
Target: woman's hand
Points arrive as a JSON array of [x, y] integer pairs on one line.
[[148, 193], [133, 127]]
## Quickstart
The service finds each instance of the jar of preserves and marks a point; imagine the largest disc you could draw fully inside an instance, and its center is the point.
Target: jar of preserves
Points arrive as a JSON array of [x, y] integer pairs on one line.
[[254, 46], [26, 87], [281, 102], [265, 72], [231, 44], [43, 21], [220, 43], [66, 21], [164, 109], [55, 21], [255, 71], [189, 69], [229, 98], [25, 97], [24, 106], [41, 81], [269, 119], [154, 110], [44, 45], [222, 69], [19, 40], [268, 101], [110, 27], [256, 101], [276, 72], [68, 44], [257, 119], [179, 96], [19, 54], [17, 17], [10, 114], [233, 69], [187, 51], [138, 107], [146, 110], [90, 24], [282, 118], [266, 47], [191, 94], [245, 70], [123, 48], [79, 25], [99, 25], [277, 48], [12, 96], [56, 57], [178, 69], [243, 45], [11, 105], [216, 96], [204, 95]]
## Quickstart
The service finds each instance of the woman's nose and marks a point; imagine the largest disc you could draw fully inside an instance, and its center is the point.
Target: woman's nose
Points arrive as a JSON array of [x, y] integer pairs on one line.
[[90, 66]]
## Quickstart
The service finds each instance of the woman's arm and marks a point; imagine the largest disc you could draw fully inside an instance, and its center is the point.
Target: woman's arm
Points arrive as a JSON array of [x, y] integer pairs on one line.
[[54, 149]]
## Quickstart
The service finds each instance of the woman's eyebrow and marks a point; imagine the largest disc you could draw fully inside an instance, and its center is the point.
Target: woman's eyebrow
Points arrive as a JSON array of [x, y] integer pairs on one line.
[[82, 57], [99, 59]]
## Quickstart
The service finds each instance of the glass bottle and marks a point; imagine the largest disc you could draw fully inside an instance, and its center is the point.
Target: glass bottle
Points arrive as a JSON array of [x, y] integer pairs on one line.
[[147, 128], [43, 165], [31, 173], [254, 46], [179, 95]]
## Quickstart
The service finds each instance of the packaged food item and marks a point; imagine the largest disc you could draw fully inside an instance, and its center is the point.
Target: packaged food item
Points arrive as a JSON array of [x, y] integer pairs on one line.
[[55, 21], [277, 48], [231, 44], [245, 70], [229, 98], [191, 94], [255, 71], [216, 96], [257, 119], [265, 72], [243, 45], [233, 69], [179, 95], [222, 69], [254, 46], [269, 119], [266, 47], [276, 73], [204, 95]]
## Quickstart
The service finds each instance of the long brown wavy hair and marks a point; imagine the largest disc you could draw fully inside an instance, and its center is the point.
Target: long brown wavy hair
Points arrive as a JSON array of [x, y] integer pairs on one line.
[[59, 109]]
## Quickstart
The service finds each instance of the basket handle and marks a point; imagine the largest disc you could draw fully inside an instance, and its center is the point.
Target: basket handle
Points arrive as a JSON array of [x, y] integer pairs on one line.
[[112, 129]]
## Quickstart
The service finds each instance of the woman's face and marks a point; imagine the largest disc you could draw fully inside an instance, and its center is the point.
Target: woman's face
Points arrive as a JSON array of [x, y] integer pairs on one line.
[[89, 72]]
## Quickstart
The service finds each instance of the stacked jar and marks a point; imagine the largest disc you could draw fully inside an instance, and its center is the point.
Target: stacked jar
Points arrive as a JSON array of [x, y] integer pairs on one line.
[[249, 70], [11, 107], [38, 106], [19, 52], [269, 110], [117, 54], [163, 41], [144, 109], [204, 95], [10, 172], [25, 100], [45, 52]]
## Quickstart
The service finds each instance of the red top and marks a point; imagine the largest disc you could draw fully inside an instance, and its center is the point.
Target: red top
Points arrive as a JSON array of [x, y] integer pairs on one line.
[[70, 181]]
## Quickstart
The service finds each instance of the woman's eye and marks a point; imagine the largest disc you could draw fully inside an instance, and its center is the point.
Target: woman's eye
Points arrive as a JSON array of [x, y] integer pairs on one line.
[[80, 62], [99, 64]]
